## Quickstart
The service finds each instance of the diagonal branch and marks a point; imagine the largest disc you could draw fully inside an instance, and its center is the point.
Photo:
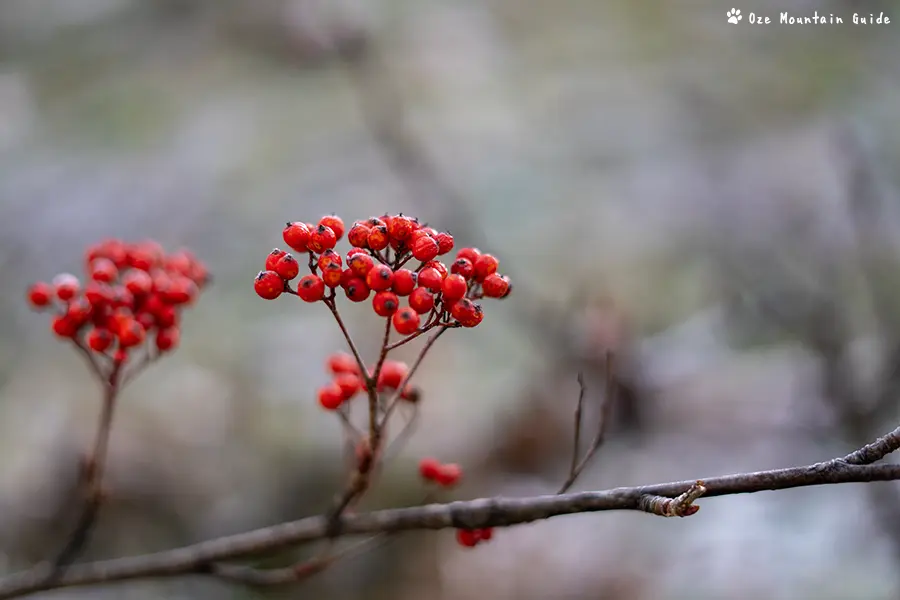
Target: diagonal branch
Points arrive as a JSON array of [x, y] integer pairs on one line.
[[473, 514]]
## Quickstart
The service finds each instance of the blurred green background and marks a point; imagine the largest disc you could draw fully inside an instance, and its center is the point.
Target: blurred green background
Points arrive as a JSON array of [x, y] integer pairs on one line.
[[716, 204]]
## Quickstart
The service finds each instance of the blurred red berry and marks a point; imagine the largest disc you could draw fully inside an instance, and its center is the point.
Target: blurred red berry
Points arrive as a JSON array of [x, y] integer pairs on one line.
[[341, 362], [429, 468], [67, 286], [392, 374], [130, 333], [268, 285], [138, 282], [64, 327], [167, 339], [104, 270], [448, 475], [331, 396], [467, 538], [40, 294], [350, 384], [99, 339]]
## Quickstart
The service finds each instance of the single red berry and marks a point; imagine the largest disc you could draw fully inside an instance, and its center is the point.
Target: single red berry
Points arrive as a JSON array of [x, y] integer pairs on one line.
[[496, 286], [167, 339], [375, 222], [471, 254], [287, 267], [400, 227], [182, 290], [268, 285], [425, 248], [138, 282], [347, 275], [104, 270], [361, 264], [311, 288], [358, 235], [399, 246], [445, 242], [468, 313], [404, 282], [438, 266], [101, 294], [296, 235], [393, 372], [430, 279], [464, 267], [167, 316], [332, 275], [385, 303], [335, 223], [79, 311], [378, 238], [322, 239], [130, 333], [330, 396], [467, 538], [40, 294], [67, 286], [122, 298], [64, 327], [421, 300], [328, 257], [357, 290], [99, 339], [406, 320], [349, 383], [341, 362], [273, 257], [120, 356], [485, 534], [380, 277], [146, 320], [449, 475], [429, 468], [485, 265], [454, 287]]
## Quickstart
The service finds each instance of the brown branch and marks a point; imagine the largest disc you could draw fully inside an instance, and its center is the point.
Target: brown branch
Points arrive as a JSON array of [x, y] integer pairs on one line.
[[473, 514], [608, 399]]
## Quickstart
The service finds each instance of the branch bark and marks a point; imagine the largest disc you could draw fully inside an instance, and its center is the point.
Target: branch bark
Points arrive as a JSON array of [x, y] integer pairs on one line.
[[201, 559]]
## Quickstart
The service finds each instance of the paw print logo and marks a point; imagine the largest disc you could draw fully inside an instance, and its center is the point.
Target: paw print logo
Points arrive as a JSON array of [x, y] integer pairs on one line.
[[734, 15]]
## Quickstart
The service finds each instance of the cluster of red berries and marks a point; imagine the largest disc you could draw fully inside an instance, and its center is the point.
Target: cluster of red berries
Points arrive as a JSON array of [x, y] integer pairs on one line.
[[132, 292], [443, 474], [381, 249], [472, 537], [347, 380]]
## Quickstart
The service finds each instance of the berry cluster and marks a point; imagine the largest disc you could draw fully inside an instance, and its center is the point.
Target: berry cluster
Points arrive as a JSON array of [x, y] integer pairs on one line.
[[347, 381], [472, 537], [132, 293], [443, 474], [376, 265]]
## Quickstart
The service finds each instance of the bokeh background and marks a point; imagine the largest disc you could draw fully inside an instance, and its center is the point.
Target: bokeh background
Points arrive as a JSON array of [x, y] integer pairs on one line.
[[714, 204]]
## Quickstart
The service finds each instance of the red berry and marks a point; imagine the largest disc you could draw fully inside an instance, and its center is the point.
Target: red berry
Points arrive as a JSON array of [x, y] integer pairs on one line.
[[468, 313], [454, 287], [425, 248], [64, 327], [331, 396], [66, 286], [166, 316], [341, 362], [99, 339], [287, 267], [421, 300], [406, 320], [393, 372], [485, 534], [335, 223], [273, 257], [496, 286], [438, 266], [268, 285], [400, 227], [449, 475], [182, 290], [445, 242], [485, 265], [347, 275], [410, 394], [467, 538], [311, 288], [332, 275], [429, 468], [328, 257], [40, 294], [380, 277], [430, 279], [375, 222], [167, 339], [357, 290], [358, 236], [79, 311], [104, 270], [361, 264], [139, 282], [130, 333], [349, 383], [464, 267], [471, 254], [385, 303], [321, 239], [378, 238], [296, 235], [404, 282]]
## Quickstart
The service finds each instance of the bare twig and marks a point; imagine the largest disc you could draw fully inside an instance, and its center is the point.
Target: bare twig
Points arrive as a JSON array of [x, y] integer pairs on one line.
[[608, 399], [681, 506], [329, 302], [473, 514]]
